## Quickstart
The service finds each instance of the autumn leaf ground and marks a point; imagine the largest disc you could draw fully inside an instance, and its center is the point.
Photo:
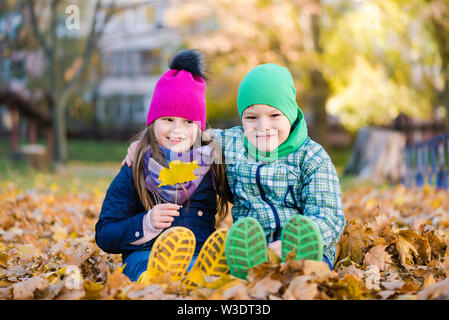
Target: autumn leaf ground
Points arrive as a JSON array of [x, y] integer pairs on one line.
[[395, 245]]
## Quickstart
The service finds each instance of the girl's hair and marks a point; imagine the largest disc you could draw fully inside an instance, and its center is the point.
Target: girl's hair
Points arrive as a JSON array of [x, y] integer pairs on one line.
[[193, 62], [147, 140]]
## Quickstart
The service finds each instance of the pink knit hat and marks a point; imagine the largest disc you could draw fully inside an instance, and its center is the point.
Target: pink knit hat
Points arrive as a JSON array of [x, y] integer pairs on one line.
[[179, 93]]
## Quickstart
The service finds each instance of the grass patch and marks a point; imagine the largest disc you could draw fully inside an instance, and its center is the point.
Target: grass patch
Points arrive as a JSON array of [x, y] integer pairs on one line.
[[75, 177], [97, 151], [83, 150], [339, 158], [93, 164], [91, 167]]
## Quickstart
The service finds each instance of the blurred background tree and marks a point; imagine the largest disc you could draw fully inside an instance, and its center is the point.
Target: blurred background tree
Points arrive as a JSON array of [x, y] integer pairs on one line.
[[67, 55], [363, 61], [355, 62], [238, 35], [382, 58], [66, 58]]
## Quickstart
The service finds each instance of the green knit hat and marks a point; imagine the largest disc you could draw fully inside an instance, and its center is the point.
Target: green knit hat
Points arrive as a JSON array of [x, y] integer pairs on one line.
[[272, 85]]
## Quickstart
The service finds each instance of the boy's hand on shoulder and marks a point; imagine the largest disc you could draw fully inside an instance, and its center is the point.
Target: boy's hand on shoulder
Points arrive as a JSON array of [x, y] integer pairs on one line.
[[162, 215], [131, 155]]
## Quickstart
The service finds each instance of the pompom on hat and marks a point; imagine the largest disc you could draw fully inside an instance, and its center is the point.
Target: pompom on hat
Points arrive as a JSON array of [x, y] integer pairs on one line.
[[181, 91]]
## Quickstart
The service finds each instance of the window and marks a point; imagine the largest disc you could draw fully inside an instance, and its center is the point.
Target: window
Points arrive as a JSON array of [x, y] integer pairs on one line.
[[123, 63], [137, 108], [151, 62], [149, 15], [133, 63]]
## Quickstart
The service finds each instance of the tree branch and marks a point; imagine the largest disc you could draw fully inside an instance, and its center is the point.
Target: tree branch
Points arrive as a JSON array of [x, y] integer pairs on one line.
[[91, 44], [36, 30], [92, 40]]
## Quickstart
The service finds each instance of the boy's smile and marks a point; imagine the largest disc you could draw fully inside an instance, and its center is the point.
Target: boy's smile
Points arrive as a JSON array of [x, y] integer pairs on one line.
[[265, 127]]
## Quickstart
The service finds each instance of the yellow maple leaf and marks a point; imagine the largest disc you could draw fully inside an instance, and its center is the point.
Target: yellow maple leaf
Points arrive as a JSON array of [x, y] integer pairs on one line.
[[178, 172]]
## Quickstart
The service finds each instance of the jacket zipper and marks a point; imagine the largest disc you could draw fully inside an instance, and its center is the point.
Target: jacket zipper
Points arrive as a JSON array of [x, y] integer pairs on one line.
[[264, 198]]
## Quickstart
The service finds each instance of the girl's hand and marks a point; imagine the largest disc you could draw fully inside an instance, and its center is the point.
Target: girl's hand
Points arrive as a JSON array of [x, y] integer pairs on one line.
[[162, 215], [131, 155]]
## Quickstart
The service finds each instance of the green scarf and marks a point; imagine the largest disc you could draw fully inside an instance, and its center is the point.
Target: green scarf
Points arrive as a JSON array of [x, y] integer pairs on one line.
[[273, 85]]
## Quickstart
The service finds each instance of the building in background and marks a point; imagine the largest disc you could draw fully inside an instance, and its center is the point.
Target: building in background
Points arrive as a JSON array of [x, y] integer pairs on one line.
[[135, 47]]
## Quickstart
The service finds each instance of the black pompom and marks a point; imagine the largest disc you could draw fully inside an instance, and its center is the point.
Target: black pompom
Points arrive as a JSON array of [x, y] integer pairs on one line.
[[189, 60]]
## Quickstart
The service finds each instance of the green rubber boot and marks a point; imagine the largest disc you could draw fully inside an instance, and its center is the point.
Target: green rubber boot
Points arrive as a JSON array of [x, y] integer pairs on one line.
[[246, 247], [301, 235]]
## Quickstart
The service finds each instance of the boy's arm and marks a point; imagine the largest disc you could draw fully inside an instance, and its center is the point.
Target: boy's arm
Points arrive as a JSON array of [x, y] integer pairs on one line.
[[217, 134], [321, 201], [122, 214]]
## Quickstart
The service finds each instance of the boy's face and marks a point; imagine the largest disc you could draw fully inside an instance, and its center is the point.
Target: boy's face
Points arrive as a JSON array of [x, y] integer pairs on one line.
[[174, 133], [265, 127]]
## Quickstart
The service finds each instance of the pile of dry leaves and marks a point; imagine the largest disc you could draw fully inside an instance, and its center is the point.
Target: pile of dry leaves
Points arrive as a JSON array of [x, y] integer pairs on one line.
[[395, 246]]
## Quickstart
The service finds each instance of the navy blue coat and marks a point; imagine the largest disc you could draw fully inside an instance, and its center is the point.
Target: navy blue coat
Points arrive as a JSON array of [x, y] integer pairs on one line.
[[121, 217]]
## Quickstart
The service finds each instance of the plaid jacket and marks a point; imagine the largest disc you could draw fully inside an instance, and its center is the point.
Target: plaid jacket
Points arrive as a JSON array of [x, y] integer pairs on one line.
[[304, 182]]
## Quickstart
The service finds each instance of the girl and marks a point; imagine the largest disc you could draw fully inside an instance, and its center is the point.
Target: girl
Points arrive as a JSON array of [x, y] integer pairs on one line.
[[138, 206], [286, 192]]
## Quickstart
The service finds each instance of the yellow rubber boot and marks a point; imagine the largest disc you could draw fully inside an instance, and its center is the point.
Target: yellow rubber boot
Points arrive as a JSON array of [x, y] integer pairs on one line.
[[211, 261], [171, 253]]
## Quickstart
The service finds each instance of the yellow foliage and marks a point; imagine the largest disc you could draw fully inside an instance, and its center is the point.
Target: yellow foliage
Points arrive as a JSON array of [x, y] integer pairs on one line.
[[178, 172]]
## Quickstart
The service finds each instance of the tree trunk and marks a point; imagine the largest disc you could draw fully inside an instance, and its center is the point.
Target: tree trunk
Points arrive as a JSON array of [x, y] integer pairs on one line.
[[60, 138], [317, 98], [378, 156], [319, 87]]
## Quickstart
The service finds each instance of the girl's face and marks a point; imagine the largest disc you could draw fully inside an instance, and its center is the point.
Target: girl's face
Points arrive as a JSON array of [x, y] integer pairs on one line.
[[174, 133], [265, 127]]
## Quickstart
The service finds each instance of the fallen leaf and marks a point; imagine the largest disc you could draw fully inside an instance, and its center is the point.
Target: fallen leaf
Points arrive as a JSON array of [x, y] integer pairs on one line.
[[386, 294], [273, 257], [423, 249], [27, 251], [352, 269], [301, 288], [262, 288], [116, 281], [437, 243], [353, 242], [438, 291], [392, 284], [372, 277], [6, 293], [316, 269], [409, 286], [25, 290], [92, 290], [382, 226], [232, 290], [4, 259], [428, 280], [406, 251], [377, 256], [350, 287]]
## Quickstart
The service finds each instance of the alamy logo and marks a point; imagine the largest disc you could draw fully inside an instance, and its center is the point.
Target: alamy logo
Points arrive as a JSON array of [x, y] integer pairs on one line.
[[73, 20]]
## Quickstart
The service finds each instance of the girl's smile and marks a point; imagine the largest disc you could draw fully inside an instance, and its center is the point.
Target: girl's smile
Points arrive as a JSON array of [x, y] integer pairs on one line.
[[175, 133], [175, 140]]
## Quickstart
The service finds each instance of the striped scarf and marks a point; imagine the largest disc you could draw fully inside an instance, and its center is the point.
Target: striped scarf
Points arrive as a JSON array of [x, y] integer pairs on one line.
[[178, 193]]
